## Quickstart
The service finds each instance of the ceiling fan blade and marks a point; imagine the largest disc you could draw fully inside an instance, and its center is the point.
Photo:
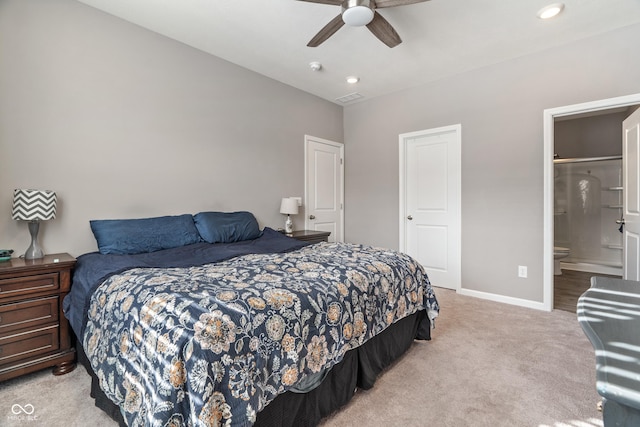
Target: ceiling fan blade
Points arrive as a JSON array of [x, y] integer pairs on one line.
[[381, 28], [393, 3], [334, 25], [332, 2]]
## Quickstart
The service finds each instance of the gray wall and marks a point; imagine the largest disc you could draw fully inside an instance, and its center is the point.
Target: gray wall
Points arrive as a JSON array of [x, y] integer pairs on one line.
[[593, 136], [122, 122], [500, 108]]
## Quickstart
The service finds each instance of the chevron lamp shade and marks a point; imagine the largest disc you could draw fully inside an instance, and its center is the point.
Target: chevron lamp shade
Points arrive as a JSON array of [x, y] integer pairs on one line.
[[31, 205]]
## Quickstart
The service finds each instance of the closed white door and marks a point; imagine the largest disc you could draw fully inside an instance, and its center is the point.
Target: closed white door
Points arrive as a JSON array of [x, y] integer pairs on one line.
[[631, 195], [430, 192], [324, 187]]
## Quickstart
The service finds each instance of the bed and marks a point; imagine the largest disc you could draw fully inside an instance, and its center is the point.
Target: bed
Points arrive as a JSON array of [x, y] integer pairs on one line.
[[208, 320]]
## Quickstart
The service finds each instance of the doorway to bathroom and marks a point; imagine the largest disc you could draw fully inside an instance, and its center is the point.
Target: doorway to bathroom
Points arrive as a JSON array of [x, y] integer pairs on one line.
[[583, 196]]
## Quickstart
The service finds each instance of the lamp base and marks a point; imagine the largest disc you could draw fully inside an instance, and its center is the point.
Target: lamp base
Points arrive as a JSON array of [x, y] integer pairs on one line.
[[288, 225], [34, 251]]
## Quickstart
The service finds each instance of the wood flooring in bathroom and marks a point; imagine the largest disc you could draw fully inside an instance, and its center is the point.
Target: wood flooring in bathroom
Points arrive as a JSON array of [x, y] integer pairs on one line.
[[568, 287]]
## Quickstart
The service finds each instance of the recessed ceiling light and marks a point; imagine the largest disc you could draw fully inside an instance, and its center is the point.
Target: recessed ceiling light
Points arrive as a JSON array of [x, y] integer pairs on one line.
[[550, 11], [353, 79]]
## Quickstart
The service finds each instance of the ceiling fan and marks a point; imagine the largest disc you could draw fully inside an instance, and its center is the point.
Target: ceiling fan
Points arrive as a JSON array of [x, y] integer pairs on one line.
[[357, 13]]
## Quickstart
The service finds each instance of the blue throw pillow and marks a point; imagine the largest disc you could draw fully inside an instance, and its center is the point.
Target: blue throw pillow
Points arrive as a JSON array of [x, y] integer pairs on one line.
[[226, 227], [135, 236]]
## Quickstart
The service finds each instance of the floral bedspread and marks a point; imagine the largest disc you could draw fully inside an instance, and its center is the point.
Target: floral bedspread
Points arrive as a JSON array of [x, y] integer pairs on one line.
[[212, 345]]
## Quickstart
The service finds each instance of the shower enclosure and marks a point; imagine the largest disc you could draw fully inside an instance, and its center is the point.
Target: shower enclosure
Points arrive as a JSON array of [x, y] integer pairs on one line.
[[587, 203]]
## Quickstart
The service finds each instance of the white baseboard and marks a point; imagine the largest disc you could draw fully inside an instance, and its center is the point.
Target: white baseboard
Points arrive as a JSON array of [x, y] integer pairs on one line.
[[592, 268], [503, 299]]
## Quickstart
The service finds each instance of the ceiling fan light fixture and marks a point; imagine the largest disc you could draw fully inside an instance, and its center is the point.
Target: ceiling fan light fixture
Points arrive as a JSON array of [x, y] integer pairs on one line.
[[357, 13], [550, 11]]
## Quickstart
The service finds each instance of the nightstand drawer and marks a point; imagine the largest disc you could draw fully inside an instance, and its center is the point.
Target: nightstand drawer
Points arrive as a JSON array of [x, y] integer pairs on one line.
[[24, 345], [29, 284], [28, 314]]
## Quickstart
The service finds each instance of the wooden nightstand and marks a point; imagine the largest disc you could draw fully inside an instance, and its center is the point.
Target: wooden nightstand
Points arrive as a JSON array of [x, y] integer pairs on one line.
[[34, 334], [310, 236]]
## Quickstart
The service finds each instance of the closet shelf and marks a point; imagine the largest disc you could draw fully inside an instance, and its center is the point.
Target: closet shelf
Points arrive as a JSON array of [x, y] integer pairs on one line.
[[586, 159]]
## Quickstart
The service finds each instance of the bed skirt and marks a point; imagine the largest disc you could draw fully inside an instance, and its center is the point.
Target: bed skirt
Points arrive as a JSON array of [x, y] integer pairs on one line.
[[358, 369]]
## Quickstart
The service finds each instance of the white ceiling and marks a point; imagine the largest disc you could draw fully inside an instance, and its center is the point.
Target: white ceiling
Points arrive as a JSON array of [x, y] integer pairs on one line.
[[440, 37]]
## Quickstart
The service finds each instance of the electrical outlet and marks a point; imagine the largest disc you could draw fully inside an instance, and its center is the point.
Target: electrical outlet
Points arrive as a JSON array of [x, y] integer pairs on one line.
[[522, 271]]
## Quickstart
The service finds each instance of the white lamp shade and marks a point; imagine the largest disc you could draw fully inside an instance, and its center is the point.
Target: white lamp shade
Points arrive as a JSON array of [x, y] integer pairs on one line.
[[30, 205], [357, 16], [289, 206]]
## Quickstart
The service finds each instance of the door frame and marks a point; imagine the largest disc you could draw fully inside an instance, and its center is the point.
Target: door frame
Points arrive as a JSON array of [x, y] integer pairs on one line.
[[457, 129], [631, 219], [549, 115], [339, 145]]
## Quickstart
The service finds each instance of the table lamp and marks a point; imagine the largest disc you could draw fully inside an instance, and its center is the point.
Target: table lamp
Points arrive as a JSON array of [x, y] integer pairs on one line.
[[288, 206], [33, 206]]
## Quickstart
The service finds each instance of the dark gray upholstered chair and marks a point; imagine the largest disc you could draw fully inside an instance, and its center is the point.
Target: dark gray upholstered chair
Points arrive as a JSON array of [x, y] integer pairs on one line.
[[609, 314]]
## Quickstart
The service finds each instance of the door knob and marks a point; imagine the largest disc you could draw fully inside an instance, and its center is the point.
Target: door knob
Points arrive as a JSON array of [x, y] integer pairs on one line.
[[409, 217], [312, 217], [620, 221]]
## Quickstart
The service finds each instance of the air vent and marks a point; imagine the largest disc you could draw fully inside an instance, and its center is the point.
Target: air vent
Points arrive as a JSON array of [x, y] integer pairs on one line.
[[348, 98]]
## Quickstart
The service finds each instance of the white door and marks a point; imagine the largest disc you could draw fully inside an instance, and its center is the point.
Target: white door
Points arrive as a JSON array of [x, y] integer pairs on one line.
[[324, 187], [430, 192], [631, 195]]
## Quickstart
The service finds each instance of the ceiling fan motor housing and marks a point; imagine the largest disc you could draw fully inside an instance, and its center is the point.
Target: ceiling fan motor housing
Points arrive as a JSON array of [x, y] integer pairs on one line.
[[357, 13]]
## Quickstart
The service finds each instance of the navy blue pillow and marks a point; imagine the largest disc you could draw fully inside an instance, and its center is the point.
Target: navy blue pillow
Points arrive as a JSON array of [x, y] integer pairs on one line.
[[136, 236], [226, 227]]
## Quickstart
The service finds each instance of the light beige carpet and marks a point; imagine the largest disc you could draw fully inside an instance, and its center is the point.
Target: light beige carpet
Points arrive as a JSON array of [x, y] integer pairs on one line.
[[489, 364]]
